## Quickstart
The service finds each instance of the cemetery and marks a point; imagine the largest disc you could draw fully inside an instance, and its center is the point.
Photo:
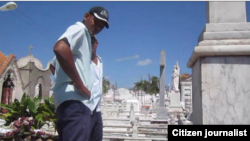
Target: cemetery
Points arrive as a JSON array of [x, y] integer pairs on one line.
[[215, 92]]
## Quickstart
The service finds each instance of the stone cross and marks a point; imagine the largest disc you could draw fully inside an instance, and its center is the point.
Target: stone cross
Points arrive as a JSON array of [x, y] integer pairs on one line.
[[162, 110], [30, 49]]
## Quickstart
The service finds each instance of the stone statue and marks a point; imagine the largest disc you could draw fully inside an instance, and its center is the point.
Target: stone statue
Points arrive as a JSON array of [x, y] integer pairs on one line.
[[37, 88], [168, 89], [175, 78]]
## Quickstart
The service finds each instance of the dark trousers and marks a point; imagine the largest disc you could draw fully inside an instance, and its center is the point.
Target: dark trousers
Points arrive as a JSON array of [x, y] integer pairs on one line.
[[73, 121], [96, 127]]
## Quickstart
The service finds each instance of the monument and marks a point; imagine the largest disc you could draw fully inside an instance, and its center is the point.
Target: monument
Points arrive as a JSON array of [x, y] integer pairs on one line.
[[162, 110], [176, 78], [221, 65], [175, 99]]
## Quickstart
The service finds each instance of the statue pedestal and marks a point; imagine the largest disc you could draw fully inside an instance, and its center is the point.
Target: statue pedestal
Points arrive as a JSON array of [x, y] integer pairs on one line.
[[221, 65], [175, 103], [175, 107]]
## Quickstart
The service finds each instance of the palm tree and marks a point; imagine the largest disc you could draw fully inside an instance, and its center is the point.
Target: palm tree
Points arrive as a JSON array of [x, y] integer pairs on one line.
[[146, 86], [138, 86], [105, 85], [154, 85], [151, 87]]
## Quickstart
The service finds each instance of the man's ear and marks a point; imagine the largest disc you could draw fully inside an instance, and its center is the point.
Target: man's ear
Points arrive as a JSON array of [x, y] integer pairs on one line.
[[86, 15]]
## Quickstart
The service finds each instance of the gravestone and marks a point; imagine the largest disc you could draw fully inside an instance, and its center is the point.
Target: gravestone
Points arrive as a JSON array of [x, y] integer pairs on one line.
[[134, 102], [221, 65], [131, 112]]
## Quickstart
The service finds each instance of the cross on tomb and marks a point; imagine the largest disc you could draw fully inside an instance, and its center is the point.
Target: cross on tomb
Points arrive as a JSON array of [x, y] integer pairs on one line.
[[30, 49]]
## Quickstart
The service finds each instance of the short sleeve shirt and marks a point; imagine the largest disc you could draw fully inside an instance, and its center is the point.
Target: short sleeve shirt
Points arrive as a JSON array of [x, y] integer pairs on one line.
[[80, 44]]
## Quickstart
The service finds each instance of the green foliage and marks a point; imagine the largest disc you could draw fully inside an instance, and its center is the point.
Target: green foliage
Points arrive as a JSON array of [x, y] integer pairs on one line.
[[47, 111], [105, 85], [40, 112], [16, 109], [149, 87], [154, 88]]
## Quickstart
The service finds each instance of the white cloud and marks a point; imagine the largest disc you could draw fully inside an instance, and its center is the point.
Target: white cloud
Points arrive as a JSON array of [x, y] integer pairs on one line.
[[127, 58], [144, 62]]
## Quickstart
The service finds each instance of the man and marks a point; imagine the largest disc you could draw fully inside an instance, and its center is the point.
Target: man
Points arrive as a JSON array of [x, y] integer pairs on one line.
[[73, 76], [96, 128], [97, 69]]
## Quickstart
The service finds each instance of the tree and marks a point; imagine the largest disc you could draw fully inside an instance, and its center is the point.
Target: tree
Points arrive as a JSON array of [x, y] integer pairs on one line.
[[154, 85], [146, 86], [105, 85], [138, 86], [149, 87]]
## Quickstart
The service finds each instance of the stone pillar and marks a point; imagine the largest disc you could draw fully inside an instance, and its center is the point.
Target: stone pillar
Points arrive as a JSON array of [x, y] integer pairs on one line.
[[221, 65], [162, 110]]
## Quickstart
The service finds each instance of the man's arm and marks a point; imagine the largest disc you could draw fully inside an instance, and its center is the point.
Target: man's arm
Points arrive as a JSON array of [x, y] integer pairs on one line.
[[52, 69], [65, 58]]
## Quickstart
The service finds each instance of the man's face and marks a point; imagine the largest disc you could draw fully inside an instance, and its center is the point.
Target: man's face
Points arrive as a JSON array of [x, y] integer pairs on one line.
[[94, 46], [93, 24]]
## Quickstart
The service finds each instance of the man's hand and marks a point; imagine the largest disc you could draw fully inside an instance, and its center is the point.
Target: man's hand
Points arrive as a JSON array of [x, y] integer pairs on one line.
[[82, 89]]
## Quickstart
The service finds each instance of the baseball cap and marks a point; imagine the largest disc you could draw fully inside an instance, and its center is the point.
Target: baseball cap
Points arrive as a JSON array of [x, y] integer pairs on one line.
[[101, 14]]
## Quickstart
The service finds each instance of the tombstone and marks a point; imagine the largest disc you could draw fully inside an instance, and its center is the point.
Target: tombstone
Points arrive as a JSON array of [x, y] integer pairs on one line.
[[162, 110], [131, 113], [135, 103], [221, 65]]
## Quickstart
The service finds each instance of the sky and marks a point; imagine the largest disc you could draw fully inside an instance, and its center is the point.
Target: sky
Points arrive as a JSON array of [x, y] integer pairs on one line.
[[130, 48]]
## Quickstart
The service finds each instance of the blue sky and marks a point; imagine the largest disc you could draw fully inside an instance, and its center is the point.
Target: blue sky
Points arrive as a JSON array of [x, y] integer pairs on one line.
[[131, 46]]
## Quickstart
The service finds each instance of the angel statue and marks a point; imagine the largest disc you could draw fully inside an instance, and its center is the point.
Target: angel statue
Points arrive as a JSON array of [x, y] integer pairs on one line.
[[176, 78]]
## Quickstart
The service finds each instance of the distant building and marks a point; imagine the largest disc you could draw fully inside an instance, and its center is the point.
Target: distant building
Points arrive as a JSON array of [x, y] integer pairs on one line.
[[186, 91], [25, 75]]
